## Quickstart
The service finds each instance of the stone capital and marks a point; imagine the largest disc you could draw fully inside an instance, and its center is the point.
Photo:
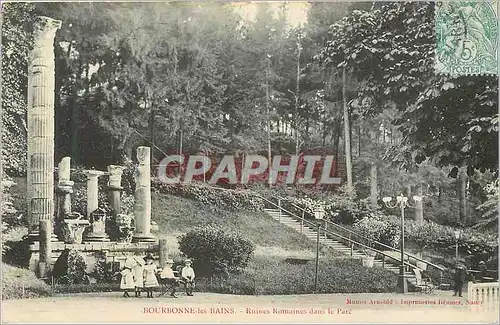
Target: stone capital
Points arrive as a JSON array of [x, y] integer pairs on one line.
[[46, 27], [73, 230], [143, 155], [115, 176], [93, 174]]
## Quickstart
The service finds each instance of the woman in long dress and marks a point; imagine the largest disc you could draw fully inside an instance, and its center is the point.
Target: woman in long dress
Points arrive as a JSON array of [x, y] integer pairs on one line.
[[150, 280]]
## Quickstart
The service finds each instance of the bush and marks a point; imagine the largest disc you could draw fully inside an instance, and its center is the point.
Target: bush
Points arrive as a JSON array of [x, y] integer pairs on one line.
[[215, 251], [70, 268], [213, 196], [16, 253], [379, 228], [475, 245], [268, 276], [103, 272], [14, 279], [11, 216]]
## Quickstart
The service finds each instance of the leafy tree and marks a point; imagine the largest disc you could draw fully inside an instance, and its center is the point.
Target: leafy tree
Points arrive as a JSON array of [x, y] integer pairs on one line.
[[17, 40], [400, 37]]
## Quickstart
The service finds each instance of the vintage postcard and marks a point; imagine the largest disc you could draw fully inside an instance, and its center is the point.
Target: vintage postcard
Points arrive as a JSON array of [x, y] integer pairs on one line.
[[250, 162]]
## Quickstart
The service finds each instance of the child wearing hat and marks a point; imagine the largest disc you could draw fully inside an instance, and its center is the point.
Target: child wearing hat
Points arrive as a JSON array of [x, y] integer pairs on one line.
[[187, 275], [127, 281], [138, 270], [167, 275], [150, 280]]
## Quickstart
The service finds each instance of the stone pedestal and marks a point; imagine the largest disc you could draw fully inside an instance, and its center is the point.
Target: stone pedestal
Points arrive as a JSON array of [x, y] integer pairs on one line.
[[163, 247], [142, 207], [64, 190], [98, 220], [115, 188], [98, 227], [40, 120]]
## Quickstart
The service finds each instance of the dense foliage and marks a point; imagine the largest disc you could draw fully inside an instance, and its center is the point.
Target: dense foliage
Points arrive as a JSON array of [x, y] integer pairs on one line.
[[215, 251], [212, 196], [70, 268], [276, 277]]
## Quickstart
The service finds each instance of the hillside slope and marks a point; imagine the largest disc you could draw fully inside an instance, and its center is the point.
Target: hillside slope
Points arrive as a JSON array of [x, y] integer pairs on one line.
[[175, 215]]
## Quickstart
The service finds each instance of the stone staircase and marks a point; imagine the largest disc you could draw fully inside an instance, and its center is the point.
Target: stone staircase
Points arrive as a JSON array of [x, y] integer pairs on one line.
[[311, 233]]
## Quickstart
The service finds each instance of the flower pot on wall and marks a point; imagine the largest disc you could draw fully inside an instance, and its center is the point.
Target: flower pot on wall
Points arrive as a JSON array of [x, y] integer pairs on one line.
[[368, 261]]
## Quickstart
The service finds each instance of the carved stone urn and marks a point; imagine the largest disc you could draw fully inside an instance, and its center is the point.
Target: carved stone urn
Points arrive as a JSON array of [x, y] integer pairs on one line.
[[72, 230]]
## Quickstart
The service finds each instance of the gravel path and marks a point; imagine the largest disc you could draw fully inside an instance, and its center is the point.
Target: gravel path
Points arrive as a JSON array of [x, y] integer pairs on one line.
[[221, 308]]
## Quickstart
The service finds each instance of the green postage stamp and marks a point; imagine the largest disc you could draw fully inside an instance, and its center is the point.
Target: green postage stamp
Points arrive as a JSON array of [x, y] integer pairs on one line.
[[466, 37]]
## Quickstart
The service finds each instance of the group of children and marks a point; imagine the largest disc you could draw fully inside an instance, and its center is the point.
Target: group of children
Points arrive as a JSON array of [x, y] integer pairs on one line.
[[141, 275]]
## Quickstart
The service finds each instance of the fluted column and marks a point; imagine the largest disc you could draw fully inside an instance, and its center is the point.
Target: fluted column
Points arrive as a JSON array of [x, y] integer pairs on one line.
[[142, 207], [41, 87]]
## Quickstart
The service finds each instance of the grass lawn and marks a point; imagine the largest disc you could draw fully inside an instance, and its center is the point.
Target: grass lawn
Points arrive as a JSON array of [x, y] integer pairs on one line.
[[21, 283], [175, 215], [274, 276]]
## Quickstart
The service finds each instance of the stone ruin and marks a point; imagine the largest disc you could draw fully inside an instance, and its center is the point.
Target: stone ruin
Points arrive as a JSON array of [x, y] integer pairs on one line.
[[53, 227]]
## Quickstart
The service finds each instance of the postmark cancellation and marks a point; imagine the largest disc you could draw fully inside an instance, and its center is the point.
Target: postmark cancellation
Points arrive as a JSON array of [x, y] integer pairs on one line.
[[466, 37]]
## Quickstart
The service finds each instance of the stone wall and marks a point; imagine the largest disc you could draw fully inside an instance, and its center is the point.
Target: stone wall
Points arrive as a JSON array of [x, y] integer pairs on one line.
[[114, 252]]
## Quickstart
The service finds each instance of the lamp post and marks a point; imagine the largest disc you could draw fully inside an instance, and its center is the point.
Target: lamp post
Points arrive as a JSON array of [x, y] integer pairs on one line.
[[457, 237], [402, 203], [319, 213]]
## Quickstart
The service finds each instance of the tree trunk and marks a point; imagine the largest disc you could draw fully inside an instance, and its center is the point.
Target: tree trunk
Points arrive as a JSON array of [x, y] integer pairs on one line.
[[373, 185], [408, 190], [269, 158], [151, 130], [350, 134], [419, 210], [462, 194], [75, 123], [180, 142], [347, 134], [336, 140], [306, 137], [297, 89], [359, 141]]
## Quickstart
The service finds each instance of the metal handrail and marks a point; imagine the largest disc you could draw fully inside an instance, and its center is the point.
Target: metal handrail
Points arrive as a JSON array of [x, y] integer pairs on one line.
[[340, 236], [344, 229], [409, 255]]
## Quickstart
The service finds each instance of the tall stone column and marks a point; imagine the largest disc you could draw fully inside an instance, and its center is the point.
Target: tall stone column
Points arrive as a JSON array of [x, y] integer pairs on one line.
[[41, 87], [142, 207], [98, 220], [115, 187]]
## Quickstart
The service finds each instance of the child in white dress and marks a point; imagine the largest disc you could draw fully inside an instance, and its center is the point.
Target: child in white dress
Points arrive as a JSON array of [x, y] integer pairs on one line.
[[138, 271], [150, 280], [127, 282]]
